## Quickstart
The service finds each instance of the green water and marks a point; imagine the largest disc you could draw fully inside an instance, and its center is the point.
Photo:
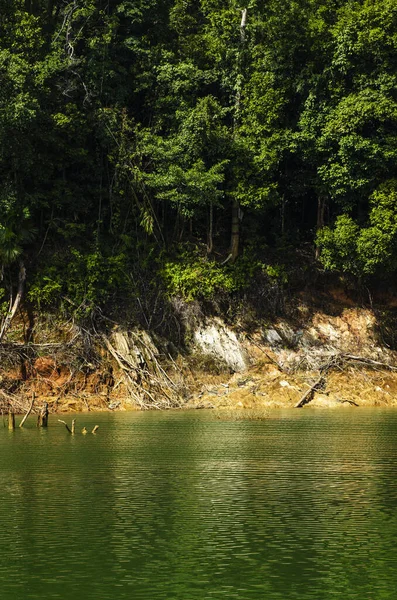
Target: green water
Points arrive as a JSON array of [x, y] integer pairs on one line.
[[183, 506]]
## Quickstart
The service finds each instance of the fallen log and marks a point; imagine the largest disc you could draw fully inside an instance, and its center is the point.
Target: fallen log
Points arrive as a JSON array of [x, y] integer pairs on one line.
[[308, 396]]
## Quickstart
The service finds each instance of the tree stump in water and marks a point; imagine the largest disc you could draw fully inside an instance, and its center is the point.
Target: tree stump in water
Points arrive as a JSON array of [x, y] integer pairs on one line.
[[11, 420], [42, 419]]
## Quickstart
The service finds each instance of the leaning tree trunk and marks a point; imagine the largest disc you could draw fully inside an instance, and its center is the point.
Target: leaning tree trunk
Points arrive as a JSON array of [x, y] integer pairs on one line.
[[21, 285], [235, 233]]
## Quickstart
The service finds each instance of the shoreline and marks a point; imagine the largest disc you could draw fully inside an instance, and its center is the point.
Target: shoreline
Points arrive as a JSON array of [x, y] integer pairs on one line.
[[325, 361], [259, 388]]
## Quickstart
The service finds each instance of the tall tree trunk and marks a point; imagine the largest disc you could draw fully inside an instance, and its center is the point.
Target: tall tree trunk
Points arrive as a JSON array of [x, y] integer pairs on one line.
[[235, 241], [210, 242], [320, 219], [16, 303], [283, 203], [235, 234]]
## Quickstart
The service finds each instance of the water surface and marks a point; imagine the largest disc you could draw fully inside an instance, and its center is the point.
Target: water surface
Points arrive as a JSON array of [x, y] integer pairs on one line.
[[184, 506]]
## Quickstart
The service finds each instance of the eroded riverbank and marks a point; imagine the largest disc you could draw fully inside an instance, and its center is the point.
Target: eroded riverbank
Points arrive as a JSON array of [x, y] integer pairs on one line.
[[329, 359]]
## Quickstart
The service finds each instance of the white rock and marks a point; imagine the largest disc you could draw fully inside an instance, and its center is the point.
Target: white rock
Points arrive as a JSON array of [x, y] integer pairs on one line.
[[221, 342], [272, 337], [284, 383]]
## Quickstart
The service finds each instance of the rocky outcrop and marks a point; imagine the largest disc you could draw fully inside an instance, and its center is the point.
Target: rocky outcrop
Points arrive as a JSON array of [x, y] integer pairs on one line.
[[218, 340]]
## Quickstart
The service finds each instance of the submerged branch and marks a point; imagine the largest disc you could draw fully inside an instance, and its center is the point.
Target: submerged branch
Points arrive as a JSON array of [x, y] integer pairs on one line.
[[66, 425]]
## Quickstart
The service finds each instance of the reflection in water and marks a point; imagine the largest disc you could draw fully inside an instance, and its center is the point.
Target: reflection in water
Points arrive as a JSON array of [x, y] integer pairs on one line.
[[182, 506]]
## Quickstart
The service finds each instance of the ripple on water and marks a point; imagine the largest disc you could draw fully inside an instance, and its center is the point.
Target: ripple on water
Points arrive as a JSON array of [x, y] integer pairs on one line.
[[184, 506]]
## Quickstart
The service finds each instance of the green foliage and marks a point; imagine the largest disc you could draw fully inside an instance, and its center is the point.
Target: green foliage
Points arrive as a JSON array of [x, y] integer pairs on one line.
[[146, 121], [46, 291], [194, 277], [86, 282], [339, 245], [276, 273], [368, 250]]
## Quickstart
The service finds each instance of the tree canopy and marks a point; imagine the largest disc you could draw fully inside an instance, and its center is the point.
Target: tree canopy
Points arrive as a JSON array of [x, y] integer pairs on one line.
[[136, 134]]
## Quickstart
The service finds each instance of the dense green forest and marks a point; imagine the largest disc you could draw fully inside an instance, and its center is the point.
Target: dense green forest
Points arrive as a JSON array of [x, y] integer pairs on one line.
[[155, 148]]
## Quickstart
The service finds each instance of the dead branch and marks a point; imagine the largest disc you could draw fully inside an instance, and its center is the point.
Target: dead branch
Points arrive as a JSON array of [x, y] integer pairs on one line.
[[20, 347], [272, 360], [28, 411], [66, 425], [308, 396], [344, 400], [16, 402], [15, 305], [125, 370], [368, 361], [140, 378]]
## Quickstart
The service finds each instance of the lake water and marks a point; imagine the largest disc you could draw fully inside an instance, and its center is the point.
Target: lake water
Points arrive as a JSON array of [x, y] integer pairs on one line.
[[184, 506]]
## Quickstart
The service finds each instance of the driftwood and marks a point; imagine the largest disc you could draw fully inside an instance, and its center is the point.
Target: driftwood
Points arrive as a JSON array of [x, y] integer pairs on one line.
[[28, 411], [126, 371], [308, 396], [339, 361]]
